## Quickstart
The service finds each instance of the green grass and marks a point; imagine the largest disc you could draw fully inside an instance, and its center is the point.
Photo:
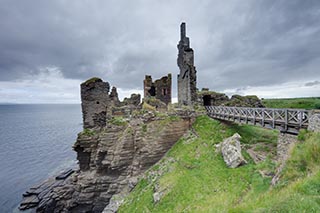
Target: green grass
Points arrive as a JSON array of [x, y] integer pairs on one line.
[[197, 180], [305, 158], [297, 103], [88, 132], [299, 186], [118, 121]]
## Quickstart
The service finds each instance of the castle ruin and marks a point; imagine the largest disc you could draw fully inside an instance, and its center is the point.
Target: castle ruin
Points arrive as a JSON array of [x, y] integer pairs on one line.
[[99, 104], [160, 89], [187, 79]]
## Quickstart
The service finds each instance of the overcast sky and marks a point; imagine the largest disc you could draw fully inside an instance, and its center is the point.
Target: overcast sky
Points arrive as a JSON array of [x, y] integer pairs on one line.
[[270, 48]]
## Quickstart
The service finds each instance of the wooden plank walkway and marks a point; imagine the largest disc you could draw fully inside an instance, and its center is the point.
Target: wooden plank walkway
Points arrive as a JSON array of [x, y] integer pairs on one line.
[[286, 120]]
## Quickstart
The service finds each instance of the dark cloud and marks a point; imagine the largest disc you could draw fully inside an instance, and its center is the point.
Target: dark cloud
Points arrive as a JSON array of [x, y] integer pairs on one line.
[[237, 43], [313, 83]]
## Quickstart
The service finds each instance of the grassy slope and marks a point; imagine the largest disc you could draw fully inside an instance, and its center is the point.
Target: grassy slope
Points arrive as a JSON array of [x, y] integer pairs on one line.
[[297, 103], [197, 180]]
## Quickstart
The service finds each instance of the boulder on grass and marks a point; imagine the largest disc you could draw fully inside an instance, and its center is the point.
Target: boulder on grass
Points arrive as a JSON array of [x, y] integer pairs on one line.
[[231, 151]]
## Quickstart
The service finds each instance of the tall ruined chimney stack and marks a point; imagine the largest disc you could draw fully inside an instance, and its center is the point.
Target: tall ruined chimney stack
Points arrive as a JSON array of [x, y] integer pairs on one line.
[[182, 30], [187, 78]]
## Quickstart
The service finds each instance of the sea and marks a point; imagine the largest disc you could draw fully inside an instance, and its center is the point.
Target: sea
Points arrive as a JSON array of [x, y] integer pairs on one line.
[[35, 143]]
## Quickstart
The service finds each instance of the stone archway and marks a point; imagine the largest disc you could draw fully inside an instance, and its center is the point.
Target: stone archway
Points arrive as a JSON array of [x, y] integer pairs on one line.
[[206, 100]]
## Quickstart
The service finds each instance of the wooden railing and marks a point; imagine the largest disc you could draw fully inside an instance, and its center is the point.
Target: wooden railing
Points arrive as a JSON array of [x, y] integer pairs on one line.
[[286, 120]]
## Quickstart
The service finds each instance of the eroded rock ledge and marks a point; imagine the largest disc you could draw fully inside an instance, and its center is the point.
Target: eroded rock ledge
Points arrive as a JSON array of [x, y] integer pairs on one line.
[[112, 158]]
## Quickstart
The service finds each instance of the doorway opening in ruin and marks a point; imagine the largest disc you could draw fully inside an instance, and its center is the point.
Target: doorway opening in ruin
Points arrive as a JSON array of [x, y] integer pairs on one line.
[[207, 100], [152, 91]]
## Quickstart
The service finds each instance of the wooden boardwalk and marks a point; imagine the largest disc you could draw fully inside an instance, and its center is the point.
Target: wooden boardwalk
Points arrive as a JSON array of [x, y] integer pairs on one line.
[[286, 120]]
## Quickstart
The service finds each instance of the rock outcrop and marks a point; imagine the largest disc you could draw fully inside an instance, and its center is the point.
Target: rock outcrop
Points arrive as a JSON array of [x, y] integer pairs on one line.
[[245, 101], [211, 98], [231, 151], [111, 160]]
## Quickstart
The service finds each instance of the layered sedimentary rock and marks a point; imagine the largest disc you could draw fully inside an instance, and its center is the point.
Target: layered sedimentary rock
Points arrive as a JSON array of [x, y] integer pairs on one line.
[[118, 143], [111, 159]]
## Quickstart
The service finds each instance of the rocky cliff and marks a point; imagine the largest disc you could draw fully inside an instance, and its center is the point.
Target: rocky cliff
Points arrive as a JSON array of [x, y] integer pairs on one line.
[[112, 158]]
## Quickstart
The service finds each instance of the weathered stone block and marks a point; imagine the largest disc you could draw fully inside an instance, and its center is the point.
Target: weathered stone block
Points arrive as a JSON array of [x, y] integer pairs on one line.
[[231, 151], [314, 122]]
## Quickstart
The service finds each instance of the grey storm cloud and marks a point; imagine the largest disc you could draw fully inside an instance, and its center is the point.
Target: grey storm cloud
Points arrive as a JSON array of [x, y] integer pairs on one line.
[[236, 43], [313, 83]]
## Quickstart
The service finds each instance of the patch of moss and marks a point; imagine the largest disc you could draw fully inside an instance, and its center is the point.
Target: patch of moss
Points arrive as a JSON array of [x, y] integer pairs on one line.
[[88, 132], [92, 80], [118, 121], [144, 128]]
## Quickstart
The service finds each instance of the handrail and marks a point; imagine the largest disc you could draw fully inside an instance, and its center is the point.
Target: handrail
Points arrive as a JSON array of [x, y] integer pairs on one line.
[[286, 120]]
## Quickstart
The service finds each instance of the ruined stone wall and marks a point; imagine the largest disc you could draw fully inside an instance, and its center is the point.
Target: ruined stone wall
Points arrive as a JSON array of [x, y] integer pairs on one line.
[[163, 89], [160, 89], [187, 79], [94, 102], [98, 106], [148, 87]]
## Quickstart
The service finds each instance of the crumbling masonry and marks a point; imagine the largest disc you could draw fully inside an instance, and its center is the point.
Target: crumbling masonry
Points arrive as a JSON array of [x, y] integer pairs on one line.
[[98, 105], [187, 79], [160, 89]]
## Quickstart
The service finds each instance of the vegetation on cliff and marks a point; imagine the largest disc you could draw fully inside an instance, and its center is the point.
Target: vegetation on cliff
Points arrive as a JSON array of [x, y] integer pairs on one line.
[[192, 177]]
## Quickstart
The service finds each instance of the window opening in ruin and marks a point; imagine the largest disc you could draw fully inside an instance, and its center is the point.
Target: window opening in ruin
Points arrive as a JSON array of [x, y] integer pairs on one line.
[[164, 91], [97, 102], [207, 100], [152, 91]]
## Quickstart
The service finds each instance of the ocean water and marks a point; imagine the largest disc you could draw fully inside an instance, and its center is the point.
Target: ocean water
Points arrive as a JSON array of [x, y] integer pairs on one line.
[[35, 143]]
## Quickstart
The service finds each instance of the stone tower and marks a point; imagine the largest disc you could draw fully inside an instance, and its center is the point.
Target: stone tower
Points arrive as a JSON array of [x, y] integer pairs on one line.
[[187, 78], [94, 102]]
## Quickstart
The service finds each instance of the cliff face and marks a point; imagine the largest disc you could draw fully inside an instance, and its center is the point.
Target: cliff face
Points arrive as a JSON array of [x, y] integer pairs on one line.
[[112, 158]]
